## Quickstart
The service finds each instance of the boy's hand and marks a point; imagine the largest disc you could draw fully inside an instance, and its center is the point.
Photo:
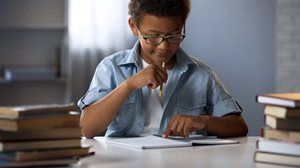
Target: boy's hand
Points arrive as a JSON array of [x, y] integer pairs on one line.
[[151, 76], [182, 125]]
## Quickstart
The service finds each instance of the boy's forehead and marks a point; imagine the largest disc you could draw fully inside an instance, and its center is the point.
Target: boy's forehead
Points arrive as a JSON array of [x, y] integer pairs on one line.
[[158, 23]]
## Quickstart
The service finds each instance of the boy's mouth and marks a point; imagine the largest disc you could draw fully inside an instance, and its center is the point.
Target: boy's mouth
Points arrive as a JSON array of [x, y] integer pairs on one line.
[[165, 54]]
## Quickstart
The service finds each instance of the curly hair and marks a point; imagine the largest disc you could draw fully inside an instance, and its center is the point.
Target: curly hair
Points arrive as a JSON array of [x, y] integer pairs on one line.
[[159, 8]]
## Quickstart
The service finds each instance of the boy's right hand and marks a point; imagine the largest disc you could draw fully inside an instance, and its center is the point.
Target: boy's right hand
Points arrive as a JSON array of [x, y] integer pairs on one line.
[[151, 76]]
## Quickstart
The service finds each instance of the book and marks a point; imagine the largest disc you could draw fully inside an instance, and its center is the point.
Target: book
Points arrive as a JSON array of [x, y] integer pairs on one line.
[[283, 135], [19, 156], [40, 122], [39, 163], [16, 112], [285, 124], [43, 144], [153, 142], [48, 134], [276, 146], [280, 99], [282, 112], [274, 158]]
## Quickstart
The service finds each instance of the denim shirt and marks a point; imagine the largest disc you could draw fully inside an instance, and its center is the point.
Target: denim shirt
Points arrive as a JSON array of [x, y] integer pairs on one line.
[[193, 89]]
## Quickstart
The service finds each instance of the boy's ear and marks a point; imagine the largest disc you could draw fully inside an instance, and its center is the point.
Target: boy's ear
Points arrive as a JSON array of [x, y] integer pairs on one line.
[[132, 26]]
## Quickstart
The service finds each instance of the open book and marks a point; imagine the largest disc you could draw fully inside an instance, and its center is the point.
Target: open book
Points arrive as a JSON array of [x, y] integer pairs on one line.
[[152, 142]]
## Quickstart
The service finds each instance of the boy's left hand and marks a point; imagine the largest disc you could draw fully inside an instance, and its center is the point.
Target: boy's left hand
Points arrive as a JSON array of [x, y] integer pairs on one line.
[[182, 125]]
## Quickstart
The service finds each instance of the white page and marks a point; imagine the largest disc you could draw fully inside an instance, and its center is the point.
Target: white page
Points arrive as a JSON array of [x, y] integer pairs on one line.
[[202, 140], [215, 141], [190, 138], [152, 142], [148, 142]]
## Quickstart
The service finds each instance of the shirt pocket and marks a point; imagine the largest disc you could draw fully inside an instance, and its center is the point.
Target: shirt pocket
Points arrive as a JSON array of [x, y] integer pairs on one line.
[[191, 104]]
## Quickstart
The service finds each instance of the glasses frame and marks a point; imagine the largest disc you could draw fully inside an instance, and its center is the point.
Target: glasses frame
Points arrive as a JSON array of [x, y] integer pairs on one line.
[[163, 38]]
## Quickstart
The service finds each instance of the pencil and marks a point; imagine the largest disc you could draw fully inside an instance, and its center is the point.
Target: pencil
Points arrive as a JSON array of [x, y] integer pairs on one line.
[[161, 86]]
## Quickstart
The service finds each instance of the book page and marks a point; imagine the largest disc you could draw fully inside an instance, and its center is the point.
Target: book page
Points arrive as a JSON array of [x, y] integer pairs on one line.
[[153, 142], [202, 140], [190, 138], [148, 142], [215, 141]]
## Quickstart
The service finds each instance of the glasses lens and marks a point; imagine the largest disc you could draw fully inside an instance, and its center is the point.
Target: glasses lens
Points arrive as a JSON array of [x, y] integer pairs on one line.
[[176, 39], [154, 40]]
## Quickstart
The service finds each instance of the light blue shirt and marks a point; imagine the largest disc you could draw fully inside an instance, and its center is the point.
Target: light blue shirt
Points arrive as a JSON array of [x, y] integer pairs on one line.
[[193, 89]]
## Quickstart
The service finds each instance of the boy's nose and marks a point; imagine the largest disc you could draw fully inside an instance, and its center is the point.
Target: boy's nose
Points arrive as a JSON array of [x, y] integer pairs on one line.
[[164, 44]]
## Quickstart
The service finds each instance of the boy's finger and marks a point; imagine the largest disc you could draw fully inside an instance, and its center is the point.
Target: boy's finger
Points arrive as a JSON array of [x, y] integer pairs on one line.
[[166, 133], [180, 127], [186, 130], [162, 74]]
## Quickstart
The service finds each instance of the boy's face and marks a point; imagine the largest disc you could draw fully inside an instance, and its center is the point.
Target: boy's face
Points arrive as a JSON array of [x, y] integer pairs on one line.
[[157, 26]]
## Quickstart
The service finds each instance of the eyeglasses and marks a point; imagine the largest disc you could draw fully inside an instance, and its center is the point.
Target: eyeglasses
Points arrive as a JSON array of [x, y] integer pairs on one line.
[[156, 40]]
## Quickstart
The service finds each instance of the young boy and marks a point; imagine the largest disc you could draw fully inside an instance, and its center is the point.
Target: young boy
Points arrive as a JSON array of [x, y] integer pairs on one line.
[[124, 96]]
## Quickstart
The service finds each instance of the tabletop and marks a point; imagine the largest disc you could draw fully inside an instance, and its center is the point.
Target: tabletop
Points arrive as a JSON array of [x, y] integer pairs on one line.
[[208, 156]]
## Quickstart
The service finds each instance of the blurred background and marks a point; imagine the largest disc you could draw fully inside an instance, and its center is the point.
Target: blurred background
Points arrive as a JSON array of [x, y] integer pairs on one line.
[[49, 48]]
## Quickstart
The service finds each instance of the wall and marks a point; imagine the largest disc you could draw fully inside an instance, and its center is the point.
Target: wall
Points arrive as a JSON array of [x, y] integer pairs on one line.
[[288, 46], [237, 39], [31, 32]]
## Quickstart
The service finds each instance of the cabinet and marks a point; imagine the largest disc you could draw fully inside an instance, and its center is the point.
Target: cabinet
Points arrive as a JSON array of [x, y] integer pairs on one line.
[[32, 41]]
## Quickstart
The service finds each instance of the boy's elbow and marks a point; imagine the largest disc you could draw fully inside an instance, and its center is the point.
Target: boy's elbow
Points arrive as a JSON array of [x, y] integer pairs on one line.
[[87, 133], [244, 131], [241, 127], [89, 130], [244, 128]]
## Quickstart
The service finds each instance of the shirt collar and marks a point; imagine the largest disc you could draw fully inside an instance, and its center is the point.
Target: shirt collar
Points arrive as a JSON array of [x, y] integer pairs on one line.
[[133, 56], [182, 59]]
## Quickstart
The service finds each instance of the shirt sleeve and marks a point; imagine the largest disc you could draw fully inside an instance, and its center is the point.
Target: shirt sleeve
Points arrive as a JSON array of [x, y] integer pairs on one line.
[[220, 101], [102, 83]]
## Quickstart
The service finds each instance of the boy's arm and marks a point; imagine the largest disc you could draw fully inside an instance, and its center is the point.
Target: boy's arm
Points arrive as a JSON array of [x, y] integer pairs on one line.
[[97, 116], [231, 125]]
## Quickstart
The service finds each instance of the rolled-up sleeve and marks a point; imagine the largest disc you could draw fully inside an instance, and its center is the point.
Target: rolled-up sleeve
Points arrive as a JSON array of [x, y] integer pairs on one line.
[[102, 83], [220, 101]]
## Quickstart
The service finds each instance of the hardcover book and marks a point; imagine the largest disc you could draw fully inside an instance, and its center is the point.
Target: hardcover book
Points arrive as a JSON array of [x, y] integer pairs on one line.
[[283, 135], [275, 158], [280, 99], [280, 147], [36, 145], [70, 119], [17, 112], [282, 112], [19, 156], [39, 163], [280, 123], [48, 134]]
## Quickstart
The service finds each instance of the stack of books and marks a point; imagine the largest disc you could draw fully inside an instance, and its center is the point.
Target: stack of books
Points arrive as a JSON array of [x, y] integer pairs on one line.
[[280, 138], [40, 135]]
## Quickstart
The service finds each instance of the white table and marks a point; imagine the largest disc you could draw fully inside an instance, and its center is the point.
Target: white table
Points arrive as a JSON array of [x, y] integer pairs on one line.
[[116, 156]]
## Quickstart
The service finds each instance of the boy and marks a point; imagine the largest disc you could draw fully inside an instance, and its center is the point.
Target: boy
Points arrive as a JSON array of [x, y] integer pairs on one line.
[[123, 97]]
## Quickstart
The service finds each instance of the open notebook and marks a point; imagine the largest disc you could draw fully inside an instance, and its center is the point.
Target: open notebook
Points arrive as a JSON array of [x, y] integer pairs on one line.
[[153, 142]]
